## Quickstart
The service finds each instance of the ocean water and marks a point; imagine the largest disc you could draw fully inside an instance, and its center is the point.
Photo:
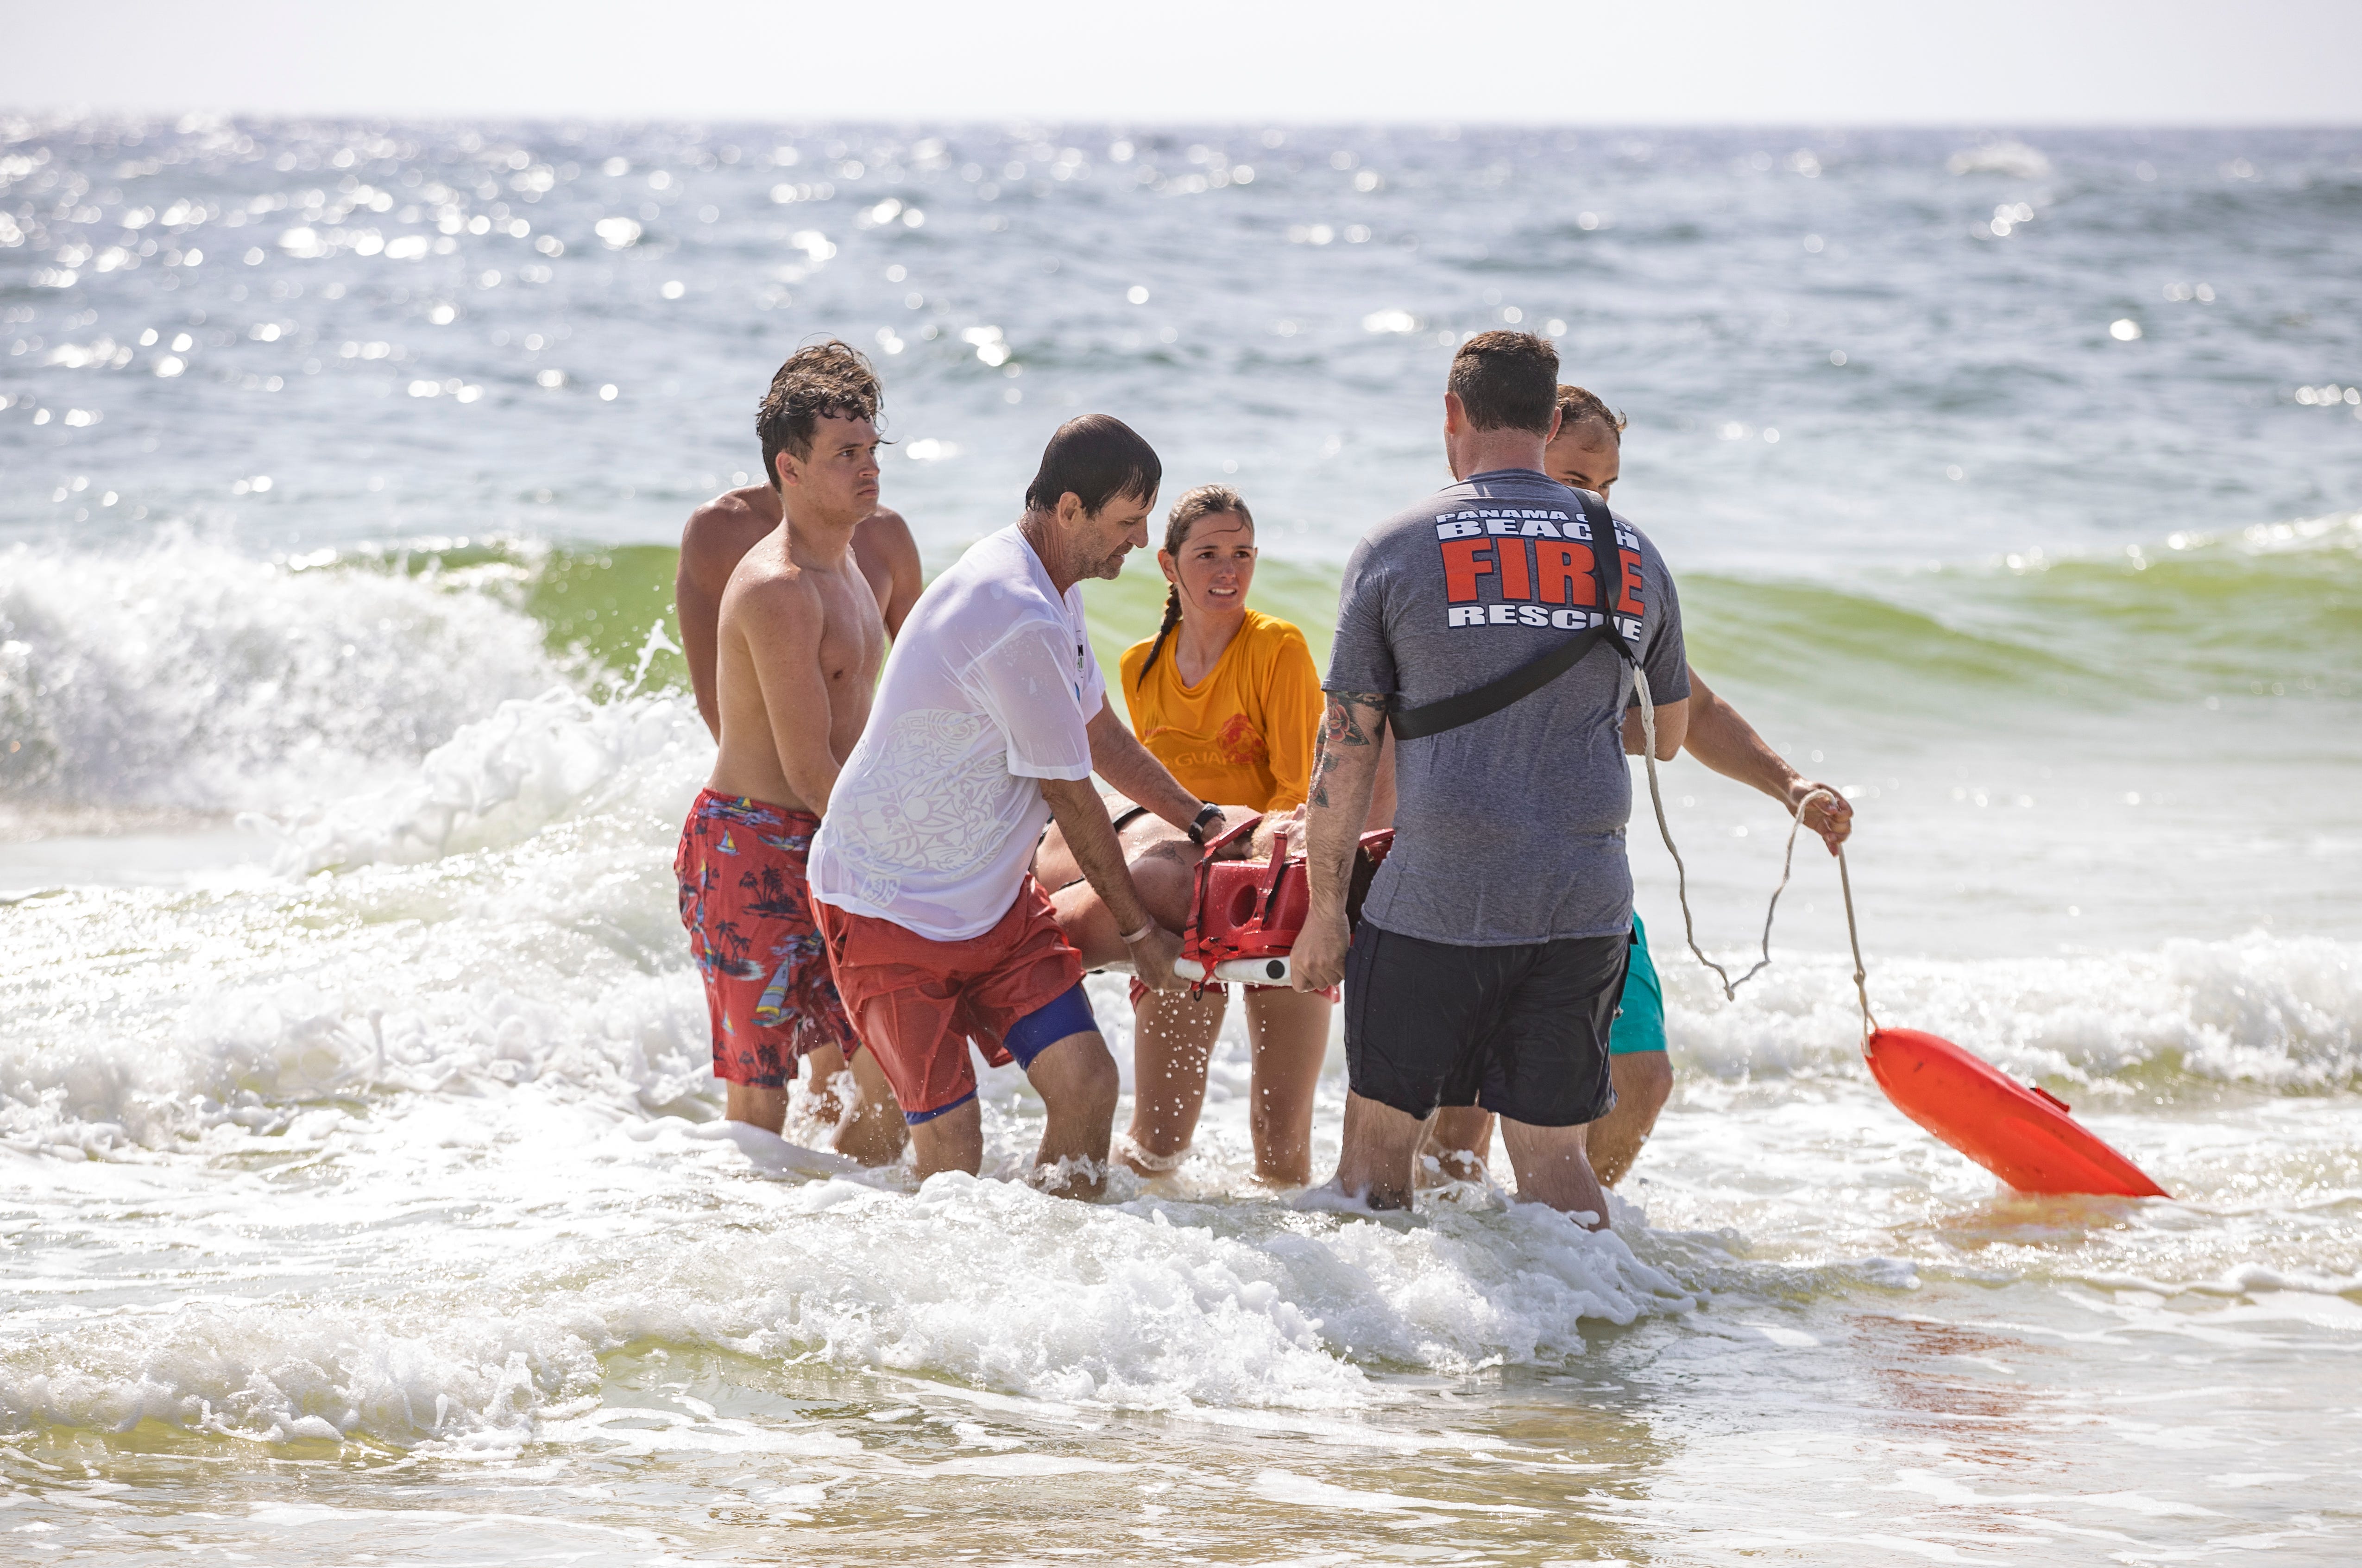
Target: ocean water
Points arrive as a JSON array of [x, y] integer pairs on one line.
[[363, 1195]]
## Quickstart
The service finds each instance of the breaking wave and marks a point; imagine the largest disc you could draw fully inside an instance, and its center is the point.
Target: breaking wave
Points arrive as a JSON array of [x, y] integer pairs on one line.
[[186, 675]]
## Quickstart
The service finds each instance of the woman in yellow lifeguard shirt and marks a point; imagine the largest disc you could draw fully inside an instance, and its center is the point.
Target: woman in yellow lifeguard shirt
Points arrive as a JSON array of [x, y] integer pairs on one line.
[[1229, 700]]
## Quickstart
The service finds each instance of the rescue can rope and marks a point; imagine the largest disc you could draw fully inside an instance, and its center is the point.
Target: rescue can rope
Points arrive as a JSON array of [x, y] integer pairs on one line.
[[1787, 866]]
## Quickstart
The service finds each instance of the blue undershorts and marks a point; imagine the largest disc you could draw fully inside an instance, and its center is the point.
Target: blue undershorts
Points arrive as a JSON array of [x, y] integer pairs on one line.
[[1069, 1014]]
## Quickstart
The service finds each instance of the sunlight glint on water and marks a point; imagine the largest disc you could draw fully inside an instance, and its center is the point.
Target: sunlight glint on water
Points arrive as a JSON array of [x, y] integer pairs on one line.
[[365, 1193]]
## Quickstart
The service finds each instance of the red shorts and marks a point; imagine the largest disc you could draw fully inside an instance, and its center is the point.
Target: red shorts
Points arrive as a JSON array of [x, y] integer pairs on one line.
[[749, 914], [916, 1004]]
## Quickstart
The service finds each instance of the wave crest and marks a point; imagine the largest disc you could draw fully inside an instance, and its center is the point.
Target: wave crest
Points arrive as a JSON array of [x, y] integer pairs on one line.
[[186, 675]]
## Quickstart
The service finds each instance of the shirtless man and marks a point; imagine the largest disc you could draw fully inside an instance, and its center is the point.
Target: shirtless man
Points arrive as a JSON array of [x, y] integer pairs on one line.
[[796, 642], [718, 533], [725, 527]]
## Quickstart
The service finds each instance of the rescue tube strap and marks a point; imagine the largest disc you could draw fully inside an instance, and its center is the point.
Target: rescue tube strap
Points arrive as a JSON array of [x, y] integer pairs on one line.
[[1853, 935], [1787, 865]]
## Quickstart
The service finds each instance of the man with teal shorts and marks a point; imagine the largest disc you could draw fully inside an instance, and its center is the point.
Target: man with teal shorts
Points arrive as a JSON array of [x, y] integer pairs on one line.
[[1586, 454]]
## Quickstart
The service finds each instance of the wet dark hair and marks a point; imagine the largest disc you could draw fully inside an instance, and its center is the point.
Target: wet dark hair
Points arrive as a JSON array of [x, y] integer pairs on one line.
[[1579, 406], [827, 380], [1205, 501], [1095, 459], [1506, 380]]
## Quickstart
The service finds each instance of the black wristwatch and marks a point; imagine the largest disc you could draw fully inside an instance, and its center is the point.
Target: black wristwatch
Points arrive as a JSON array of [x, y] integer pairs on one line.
[[1208, 812]]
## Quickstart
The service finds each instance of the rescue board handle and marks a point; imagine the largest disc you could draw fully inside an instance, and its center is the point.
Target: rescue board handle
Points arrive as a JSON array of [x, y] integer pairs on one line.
[[1239, 971]]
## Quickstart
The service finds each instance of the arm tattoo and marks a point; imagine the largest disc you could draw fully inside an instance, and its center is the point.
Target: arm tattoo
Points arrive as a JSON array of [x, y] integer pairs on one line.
[[1342, 726], [1345, 723]]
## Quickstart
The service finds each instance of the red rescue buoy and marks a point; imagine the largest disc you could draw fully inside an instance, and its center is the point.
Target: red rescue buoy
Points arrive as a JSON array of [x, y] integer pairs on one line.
[[2022, 1135]]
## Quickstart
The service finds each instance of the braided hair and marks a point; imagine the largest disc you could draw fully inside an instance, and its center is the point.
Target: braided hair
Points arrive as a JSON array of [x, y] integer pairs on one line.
[[1205, 501]]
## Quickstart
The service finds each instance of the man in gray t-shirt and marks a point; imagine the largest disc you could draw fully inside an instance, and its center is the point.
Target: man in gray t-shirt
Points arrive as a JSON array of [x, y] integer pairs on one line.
[[1492, 946]]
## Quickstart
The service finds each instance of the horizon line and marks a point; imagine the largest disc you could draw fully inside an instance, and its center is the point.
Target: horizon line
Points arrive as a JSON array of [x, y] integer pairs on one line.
[[95, 112]]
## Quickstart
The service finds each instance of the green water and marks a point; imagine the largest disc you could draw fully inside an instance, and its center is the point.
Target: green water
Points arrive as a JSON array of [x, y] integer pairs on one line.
[[2214, 619], [596, 604]]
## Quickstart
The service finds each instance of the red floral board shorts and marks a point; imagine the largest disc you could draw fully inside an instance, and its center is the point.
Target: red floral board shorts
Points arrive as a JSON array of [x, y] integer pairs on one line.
[[748, 909], [916, 1004]]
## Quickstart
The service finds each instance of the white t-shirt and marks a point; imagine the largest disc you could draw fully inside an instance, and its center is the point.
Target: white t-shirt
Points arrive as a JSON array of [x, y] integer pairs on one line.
[[988, 690]]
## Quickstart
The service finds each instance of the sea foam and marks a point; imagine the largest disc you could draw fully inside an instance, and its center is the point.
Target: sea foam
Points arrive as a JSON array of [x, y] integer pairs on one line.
[[1145, 1305], [2277, 1013], [500, 779], [183, 674]]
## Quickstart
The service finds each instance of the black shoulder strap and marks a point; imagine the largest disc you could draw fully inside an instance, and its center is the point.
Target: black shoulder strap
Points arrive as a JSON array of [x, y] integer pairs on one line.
[[1467, 707]]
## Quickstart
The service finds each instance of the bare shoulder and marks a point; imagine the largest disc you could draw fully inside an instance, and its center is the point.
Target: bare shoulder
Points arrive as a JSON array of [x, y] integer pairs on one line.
[[720, 532], [766, 592], [883, 535]]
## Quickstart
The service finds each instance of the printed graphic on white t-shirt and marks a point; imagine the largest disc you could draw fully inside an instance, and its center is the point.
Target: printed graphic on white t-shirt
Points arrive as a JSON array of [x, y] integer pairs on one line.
[[926, 802]]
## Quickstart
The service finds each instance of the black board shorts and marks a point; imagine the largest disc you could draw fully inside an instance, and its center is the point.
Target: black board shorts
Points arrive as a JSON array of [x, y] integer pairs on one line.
[[1521, 1030]]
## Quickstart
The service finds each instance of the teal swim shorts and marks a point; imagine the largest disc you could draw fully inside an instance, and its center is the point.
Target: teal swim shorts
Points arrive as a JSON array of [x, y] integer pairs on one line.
[[1641, 1025]]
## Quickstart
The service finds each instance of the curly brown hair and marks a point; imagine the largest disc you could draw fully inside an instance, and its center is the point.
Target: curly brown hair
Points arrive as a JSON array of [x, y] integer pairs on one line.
[[820, 381], [1578, 406]]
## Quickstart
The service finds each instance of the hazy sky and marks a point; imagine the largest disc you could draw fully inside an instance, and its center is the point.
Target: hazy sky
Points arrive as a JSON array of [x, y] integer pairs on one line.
[[1970, 63]]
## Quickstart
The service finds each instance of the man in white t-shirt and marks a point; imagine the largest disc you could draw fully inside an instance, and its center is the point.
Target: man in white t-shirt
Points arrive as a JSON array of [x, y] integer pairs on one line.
[[989, 723]]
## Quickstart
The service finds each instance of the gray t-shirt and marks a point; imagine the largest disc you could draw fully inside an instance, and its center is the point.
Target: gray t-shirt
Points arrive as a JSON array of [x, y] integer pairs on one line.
[[1510, 829]]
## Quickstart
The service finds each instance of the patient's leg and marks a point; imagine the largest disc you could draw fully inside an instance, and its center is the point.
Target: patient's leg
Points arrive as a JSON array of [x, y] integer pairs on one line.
[[1161, 873], [1163, 864]]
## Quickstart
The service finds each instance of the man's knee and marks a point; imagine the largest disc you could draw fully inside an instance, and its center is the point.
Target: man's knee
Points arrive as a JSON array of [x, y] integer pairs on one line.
[[1077, 1076], [1549, 1142], [1644, 1081], [1381, 1142], [1103, 1085], [952, 1141], [758, 1105]]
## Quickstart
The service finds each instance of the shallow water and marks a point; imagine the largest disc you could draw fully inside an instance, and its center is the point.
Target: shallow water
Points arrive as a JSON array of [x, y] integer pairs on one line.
[[362, 1187]]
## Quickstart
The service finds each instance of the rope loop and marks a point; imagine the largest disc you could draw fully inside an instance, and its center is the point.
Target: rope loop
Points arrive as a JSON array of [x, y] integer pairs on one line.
[[1787, 866]]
